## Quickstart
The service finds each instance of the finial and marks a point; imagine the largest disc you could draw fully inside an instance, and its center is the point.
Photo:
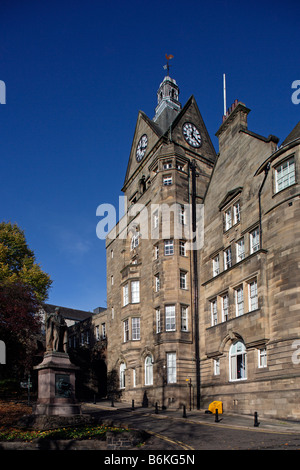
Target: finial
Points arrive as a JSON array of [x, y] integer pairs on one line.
[[167, 66]]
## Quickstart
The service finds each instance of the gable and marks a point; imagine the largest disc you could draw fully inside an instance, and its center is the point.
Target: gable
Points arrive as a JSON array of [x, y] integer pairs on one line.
[[191, 114], [144, 126]]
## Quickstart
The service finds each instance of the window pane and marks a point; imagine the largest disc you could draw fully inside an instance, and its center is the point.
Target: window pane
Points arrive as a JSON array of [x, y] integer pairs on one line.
[[171, 368], [184, 319], [214, 313], [239, 301], [135, 292], [125, 295], [170, 317], [183, 282], [225, 309], [158, 321], [169, 247], [136, 329], [253, 296], [254, 240], [216, 266], [240, 250], [149, 370], [285, 174]]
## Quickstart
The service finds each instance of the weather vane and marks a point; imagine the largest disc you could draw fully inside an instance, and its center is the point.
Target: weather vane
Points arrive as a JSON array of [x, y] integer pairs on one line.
[[167, 66]]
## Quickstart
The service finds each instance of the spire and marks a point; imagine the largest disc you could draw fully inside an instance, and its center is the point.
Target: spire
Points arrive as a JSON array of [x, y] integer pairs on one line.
[[168, 105]]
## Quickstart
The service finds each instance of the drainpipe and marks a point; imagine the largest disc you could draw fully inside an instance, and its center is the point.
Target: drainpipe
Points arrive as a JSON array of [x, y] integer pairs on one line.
[[259, 202], [195, 282]]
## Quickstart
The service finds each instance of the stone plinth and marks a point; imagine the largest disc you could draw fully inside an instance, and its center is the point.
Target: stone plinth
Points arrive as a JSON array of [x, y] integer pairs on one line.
[[56, 386]]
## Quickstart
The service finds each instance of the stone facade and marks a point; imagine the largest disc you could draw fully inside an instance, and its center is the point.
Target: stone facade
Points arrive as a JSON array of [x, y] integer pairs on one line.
[[239, 290]]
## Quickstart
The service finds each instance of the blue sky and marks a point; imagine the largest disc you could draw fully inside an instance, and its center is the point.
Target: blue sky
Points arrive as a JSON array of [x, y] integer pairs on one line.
[[77, 73]]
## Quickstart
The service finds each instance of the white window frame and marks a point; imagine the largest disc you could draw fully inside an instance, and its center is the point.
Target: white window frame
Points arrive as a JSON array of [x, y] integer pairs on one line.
[[216, 265], [227, 258], [171, 368], [126, 330], [240, 249], [262, 358], [170, 318], [184, 318], [217, 366], [254, 240], [97, 333], [169, 247], [103, 330], [237, 362], [167, 180], [214, 312], [135, 328], [135, 239], [149, 370], [158, 320], [157, 283], [236, 212], [125, 295], [122, 375], [228, 219], [156, 251], [135, 292], [183, 280], [167, 165], [239, 301], [181, 214], [182, 251], [285, 174], [253, 296], [225, 307]]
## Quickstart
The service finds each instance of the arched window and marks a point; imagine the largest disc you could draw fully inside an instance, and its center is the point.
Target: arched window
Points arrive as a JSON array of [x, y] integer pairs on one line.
[[149, 370], [122, 375], [237, 361]]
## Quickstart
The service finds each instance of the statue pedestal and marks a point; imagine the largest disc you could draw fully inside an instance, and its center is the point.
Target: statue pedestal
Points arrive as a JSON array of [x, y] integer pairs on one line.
[[56, 386]]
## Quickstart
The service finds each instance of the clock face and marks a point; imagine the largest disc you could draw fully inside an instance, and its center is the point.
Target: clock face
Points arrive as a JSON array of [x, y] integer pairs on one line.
[[191, 134], [141, 147]]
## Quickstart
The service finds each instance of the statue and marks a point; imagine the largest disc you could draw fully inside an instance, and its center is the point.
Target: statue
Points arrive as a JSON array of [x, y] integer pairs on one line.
[[56, 332]]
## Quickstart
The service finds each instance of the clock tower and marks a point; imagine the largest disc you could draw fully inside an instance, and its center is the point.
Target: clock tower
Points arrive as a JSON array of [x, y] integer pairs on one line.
[[150, 277], [168, 105]]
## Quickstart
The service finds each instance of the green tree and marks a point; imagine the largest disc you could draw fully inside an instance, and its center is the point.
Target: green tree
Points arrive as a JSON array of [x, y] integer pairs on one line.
[[18, 263]]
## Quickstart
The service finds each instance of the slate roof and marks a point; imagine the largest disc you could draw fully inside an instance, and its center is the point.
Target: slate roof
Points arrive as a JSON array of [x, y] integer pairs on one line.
[[294, 134], [69, 313]]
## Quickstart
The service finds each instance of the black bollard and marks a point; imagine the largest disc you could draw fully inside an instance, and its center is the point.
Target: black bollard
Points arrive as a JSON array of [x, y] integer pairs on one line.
[[184, 412], [217, 416], [156, 408], [256, 423], [132, 405]]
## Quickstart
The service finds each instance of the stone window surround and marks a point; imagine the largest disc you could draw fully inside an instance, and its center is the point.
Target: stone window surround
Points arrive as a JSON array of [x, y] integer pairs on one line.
[[232, 305]]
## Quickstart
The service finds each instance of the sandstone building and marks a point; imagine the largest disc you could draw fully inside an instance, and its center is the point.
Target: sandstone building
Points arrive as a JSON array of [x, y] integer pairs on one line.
[[203, 296]]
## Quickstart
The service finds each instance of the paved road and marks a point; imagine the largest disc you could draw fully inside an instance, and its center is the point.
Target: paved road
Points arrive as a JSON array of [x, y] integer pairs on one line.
[[200, 432]]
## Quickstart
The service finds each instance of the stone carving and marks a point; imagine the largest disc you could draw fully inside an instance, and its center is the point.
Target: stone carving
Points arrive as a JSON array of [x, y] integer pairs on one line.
[[56, 332]]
